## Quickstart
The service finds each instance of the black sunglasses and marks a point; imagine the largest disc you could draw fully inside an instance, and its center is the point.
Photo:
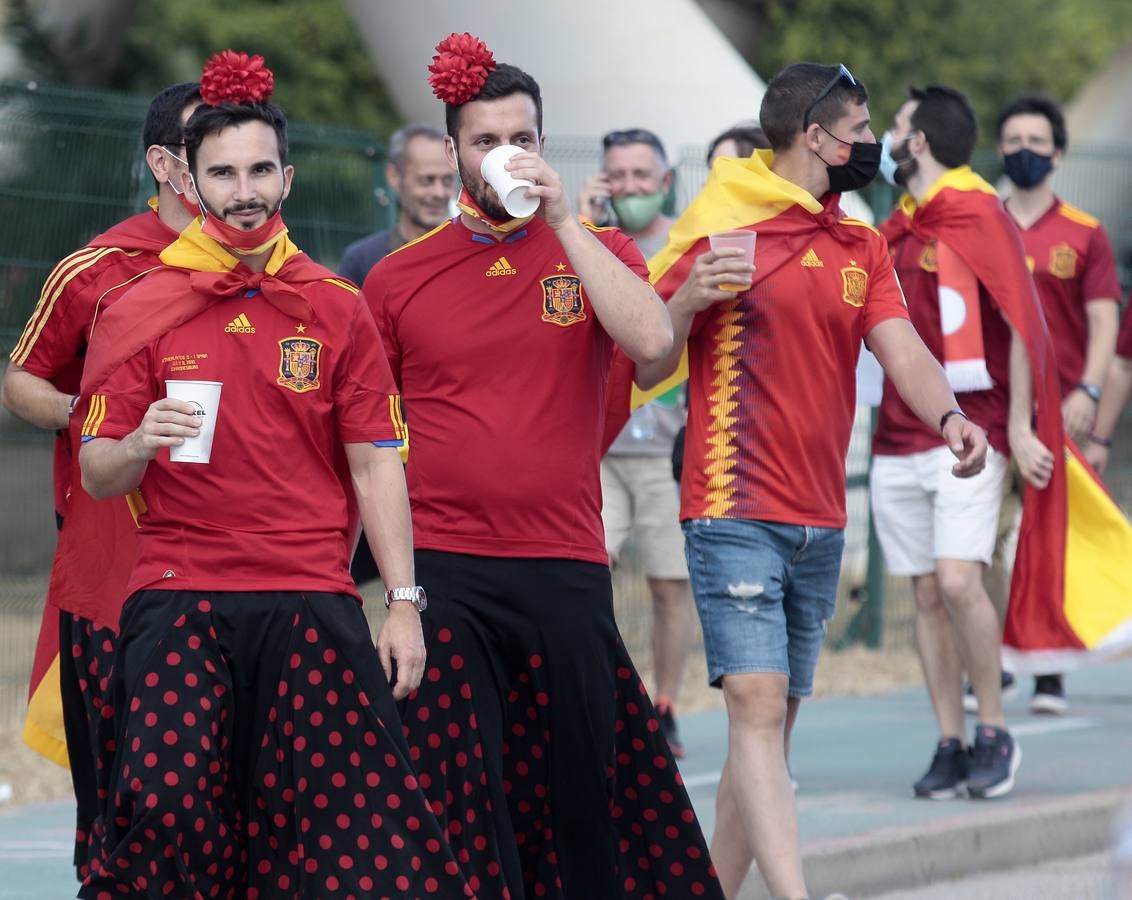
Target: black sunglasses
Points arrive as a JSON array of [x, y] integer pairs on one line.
[[842, 73]]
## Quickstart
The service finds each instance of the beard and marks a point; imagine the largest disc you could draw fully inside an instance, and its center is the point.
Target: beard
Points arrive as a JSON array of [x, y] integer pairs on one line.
[[486, 198]]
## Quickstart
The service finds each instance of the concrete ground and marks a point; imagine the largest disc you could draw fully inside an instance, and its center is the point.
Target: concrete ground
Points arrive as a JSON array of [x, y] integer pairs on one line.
[[855, 759]]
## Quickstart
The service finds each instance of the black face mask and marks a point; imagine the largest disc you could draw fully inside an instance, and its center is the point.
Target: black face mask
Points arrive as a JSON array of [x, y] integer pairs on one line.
[[857, 171], [1026, 168], [906, 165]]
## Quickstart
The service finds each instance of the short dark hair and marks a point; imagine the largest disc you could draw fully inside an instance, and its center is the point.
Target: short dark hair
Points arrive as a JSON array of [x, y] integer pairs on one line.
[[627, 136], [1038, 106], [504, 81], [948, 122], [163, 119], [748, 138], [401, 138], [792, 93], [207, 120]]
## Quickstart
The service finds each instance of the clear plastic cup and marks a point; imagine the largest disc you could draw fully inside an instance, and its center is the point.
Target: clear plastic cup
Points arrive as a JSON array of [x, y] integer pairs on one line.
[[745, 241]]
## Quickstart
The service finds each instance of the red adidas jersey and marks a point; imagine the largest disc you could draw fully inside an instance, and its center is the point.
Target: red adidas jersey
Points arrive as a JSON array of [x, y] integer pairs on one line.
[[1124, 338], [899, 431], [1071, 258], [54, 340], [772, 389], [269, 512], [503, 367]]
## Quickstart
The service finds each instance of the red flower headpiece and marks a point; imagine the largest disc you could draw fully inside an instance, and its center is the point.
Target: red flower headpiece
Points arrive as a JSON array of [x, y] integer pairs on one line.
[[460, 68], [232, 77]]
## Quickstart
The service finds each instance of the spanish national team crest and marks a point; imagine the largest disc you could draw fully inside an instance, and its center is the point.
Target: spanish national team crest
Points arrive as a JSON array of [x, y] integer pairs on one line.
[[562, 302], [927, 257], [1062, 261], [854, 284], [298, 364]]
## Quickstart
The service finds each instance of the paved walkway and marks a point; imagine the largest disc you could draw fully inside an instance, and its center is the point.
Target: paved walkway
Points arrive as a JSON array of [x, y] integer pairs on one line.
[[855, 760]]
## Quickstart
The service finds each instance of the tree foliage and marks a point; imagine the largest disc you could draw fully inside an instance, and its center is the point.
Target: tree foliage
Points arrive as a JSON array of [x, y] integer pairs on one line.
[[991, 51], [322, 71]]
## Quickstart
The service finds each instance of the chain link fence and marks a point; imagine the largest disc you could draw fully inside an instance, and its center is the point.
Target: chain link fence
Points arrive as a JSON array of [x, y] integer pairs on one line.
[[71, 165]]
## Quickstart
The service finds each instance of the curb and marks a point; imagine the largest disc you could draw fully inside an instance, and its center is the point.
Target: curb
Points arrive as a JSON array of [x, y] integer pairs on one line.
[[1001, 837]]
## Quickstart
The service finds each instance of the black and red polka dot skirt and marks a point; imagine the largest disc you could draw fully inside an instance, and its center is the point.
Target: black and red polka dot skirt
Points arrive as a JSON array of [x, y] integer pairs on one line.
[[85, 656], [251, 749], [537, 744]]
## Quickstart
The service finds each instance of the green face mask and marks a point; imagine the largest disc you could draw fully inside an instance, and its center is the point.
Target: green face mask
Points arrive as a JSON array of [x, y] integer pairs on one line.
[[636, 211]]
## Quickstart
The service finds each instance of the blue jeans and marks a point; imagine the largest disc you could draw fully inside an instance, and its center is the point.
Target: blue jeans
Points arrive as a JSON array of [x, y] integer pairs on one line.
[[764, 591]]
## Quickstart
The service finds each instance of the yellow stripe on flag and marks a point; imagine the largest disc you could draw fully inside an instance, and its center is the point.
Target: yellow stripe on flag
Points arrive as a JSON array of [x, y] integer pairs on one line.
[[1098, 578], [43, 728]]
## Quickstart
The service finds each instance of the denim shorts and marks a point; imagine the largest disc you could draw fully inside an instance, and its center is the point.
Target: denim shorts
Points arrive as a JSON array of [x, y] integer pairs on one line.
[[764, 591]]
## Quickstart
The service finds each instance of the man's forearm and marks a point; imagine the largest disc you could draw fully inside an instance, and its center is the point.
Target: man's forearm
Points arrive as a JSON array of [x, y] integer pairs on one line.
[[383, 500], [1114, 397], [650, 374], [35, 399], [916, 374], [1103, 323], [627, 307], [110, 468], [1021, 413]]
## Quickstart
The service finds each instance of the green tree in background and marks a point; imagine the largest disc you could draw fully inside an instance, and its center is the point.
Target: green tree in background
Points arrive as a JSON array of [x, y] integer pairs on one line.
[[322, 71], [992, 51]]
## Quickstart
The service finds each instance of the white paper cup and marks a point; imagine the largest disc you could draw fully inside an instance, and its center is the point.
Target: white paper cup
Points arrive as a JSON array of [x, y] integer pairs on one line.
[[745, 241], [205, 398], [512, 191]]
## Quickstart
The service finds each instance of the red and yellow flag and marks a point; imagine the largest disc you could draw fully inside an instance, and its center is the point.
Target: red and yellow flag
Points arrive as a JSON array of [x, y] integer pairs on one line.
[[1071, 590]]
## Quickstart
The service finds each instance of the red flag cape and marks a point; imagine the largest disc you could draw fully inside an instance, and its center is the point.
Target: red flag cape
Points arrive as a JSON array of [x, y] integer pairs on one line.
[[739, 193], [1070, 593]]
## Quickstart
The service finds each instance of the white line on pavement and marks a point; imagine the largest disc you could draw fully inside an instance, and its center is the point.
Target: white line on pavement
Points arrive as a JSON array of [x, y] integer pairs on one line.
[[1072, 723]]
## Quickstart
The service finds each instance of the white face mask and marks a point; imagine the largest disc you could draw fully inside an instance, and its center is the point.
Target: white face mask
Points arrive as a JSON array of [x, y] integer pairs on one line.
[[172, 182]]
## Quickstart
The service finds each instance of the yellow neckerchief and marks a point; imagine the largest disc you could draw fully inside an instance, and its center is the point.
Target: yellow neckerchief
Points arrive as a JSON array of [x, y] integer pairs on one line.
[[197, 251], [469, 207], [738, 193]]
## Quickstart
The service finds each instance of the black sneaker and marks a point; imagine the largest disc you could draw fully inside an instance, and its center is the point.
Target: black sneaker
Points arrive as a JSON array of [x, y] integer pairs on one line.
[[947, 775], [667, 717], [994, 760], [1049, 696], [1009, 689]]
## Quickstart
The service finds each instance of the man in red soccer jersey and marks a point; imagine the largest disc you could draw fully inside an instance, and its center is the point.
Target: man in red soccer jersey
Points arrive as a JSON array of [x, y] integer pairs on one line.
[[532, 733], [939, 531], [249, 728], [41, 386], [1117, 391], [1071, 259], [771, 405]]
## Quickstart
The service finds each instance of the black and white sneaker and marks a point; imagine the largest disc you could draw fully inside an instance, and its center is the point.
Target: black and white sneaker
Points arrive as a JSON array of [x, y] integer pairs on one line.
[[947, 775], [1049, 696], [994, 762], [1009, 689]]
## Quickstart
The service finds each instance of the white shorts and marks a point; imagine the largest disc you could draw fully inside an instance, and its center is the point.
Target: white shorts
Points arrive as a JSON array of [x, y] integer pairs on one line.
[[923, 513], [639, 495]]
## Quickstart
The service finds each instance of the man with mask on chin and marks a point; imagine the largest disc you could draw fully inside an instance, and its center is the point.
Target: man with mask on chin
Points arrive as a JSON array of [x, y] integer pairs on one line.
[[1072, 262], [533, 735], [250, 696], [638, 494], [770, 411], [971, 299], [41, 386]]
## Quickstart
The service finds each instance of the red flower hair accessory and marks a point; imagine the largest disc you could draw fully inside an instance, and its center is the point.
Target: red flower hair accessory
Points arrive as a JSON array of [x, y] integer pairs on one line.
[[460, 68], [232, 77]]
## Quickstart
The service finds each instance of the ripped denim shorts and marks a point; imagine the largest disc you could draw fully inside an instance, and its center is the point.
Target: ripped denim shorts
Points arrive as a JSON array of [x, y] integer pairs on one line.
[[764, 591]]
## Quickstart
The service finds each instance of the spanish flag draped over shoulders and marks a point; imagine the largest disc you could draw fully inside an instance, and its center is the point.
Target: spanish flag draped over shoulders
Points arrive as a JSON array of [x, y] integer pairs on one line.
[[739, 194], [1071, 589]]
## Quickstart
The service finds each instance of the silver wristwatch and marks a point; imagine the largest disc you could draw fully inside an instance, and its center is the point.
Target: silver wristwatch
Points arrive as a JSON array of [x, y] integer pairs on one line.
[[415, 595]]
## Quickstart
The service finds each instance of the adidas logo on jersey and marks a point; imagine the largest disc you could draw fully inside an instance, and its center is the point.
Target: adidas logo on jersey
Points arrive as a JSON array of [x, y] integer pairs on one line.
[[501, 267], [240, 325], [811, 260]]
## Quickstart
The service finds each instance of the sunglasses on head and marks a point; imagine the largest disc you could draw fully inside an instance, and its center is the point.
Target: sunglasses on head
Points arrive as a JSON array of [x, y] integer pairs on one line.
[[843, 73], [632, 136]]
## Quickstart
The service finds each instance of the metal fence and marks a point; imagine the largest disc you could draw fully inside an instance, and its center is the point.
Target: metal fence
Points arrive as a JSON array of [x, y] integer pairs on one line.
[[71, 165]]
